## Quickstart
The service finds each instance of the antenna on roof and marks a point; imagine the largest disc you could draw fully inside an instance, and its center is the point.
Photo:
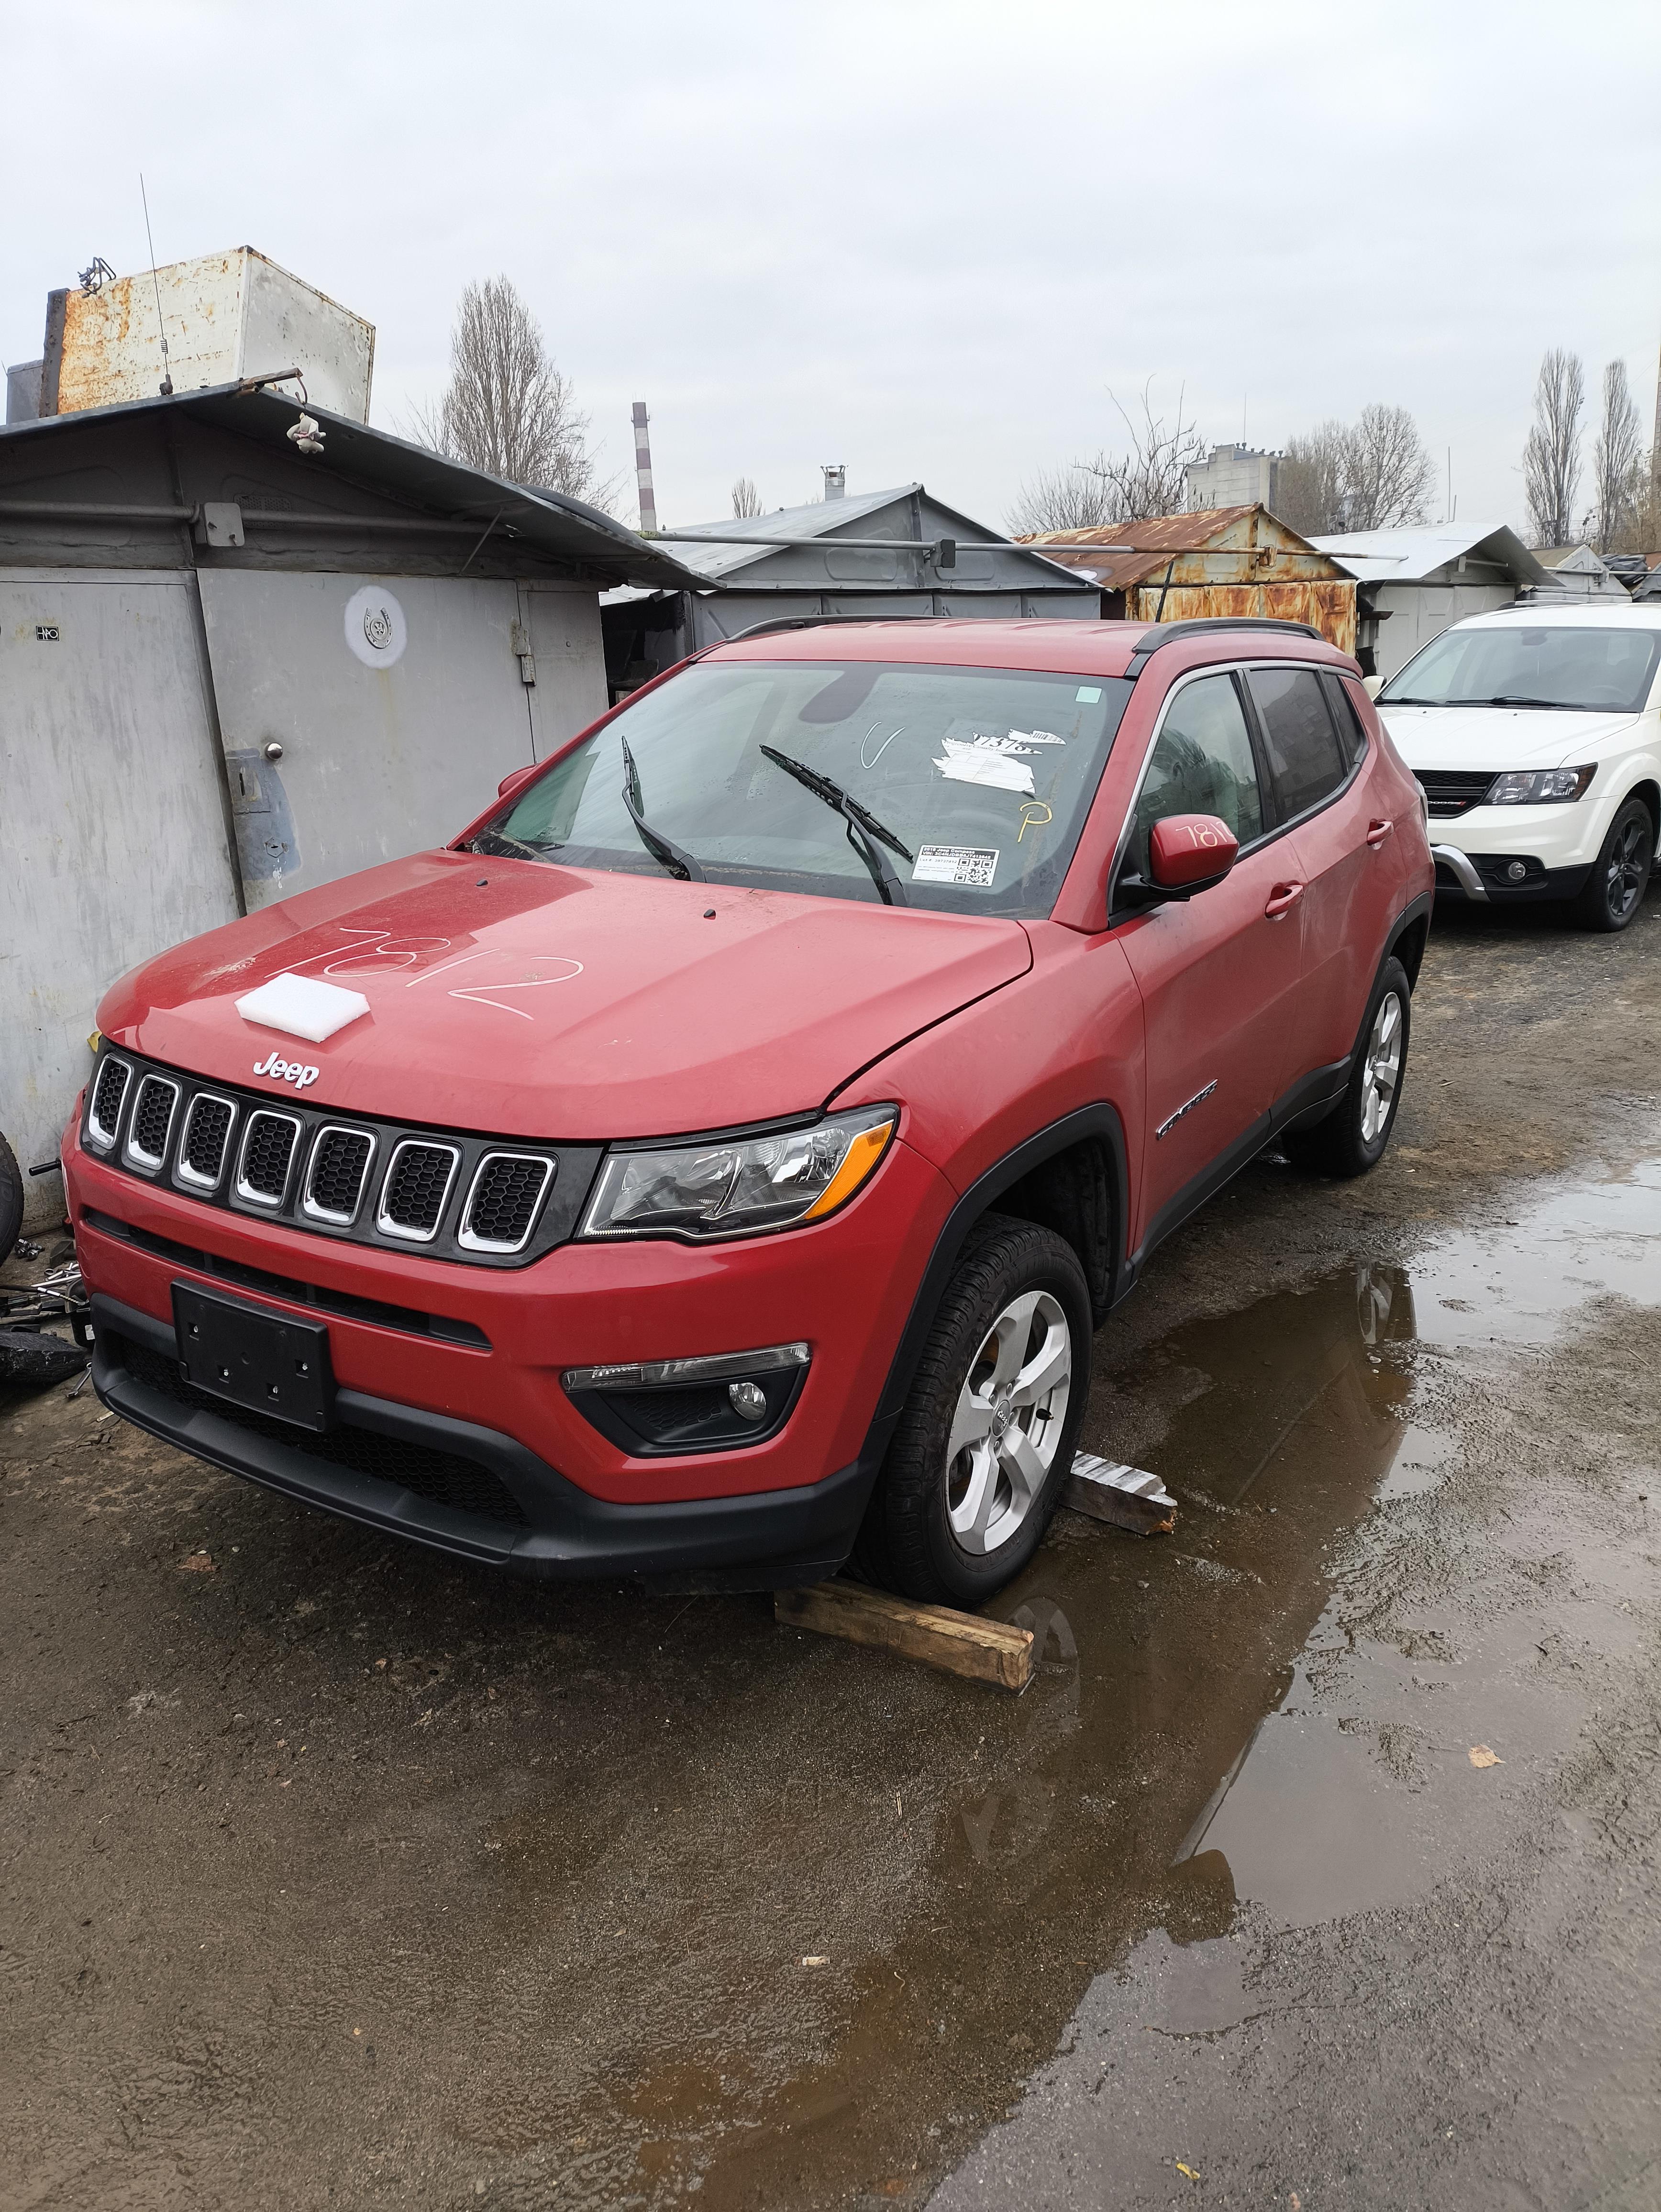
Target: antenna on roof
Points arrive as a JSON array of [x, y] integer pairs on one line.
[[167, 371]]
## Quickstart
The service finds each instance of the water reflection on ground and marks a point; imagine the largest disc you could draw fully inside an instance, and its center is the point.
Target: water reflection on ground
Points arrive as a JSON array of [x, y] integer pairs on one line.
[[1079, 1819], [1174, 1758]]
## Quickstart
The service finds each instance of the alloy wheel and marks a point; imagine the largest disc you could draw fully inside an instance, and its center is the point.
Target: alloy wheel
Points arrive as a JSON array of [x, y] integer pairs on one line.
[[1382, 1069], [1007, 1425], [1628, 868]]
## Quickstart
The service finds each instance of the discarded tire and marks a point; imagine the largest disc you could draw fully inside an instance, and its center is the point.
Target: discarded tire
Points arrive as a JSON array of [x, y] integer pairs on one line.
[[30, 1359], [11, 1199]]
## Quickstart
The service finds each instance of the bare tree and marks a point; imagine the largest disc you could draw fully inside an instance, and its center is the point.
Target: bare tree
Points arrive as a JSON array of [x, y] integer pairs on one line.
[[1551, 458], [746, 500], [1617, 462], [1387, 472], [1371, 474], [507, 410], [1309, 492], [1062, 499], [1152, 479]]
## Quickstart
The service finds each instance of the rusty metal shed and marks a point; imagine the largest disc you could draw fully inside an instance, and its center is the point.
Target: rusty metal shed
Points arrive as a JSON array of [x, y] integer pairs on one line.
[[1217, 560], [230, 670]]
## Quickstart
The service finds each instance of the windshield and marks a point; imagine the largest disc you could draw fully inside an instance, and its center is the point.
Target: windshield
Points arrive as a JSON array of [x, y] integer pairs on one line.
[[1603, 671], [968, 787]]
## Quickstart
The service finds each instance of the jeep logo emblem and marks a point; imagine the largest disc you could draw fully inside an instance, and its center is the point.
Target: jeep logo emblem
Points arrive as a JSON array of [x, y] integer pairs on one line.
[[286, 1071]]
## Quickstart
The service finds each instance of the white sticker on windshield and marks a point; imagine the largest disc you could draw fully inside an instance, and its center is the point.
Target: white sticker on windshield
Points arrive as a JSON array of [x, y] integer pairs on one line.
[[1088, 695], [977, 761], [975, 865]]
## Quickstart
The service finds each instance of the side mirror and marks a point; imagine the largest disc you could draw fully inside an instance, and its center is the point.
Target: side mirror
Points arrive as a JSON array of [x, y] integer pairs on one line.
[[1372, 685], [1189, 852], [511, 783]]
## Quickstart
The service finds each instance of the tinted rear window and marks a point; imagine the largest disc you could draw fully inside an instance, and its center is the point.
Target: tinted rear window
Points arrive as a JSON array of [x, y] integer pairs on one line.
[[1303, 755], [1351, 734]]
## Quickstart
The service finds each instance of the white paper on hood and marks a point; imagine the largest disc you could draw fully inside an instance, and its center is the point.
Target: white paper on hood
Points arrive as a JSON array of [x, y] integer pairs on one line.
[[978, 763], [301, 1007]]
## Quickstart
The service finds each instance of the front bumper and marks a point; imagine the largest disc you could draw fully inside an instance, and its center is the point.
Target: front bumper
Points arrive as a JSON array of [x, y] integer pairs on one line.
[[1557, 846], [463, 1437], [1489, 877], [468, 1490]]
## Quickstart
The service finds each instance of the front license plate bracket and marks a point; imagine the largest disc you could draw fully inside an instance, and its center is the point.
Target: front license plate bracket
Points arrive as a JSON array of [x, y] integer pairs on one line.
[[262, 1361]]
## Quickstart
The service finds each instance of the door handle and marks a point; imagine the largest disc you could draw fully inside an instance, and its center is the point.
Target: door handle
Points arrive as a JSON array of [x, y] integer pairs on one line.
[[1377, 833], [1282, 899]]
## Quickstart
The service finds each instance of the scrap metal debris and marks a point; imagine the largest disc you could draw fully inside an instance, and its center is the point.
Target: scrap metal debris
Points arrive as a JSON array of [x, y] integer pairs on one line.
[[31, 1353], [1130, 1497]]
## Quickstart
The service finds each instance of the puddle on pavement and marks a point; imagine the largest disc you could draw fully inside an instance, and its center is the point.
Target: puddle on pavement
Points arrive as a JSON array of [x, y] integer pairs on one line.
[[1177, 1753]]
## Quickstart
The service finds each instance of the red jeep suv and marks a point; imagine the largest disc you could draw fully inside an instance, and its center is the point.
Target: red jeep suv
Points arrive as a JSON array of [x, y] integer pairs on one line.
[[713, 1166]]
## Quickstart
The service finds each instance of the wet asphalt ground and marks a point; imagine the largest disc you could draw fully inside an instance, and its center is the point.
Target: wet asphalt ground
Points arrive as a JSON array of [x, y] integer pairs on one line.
[[1319, 1867]]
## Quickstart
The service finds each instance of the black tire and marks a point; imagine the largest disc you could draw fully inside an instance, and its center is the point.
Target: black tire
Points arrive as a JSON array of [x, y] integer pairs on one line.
[[11, 1199], [907, 1543], [1340, 1145], [1614, 891]]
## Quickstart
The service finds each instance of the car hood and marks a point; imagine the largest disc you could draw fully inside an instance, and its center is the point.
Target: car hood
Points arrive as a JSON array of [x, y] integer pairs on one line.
[[566, 1003], [1500, 737]]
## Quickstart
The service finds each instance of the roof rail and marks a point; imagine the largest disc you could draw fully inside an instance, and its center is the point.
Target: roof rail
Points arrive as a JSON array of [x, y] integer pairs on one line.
[[1202, 626], [815, 622]]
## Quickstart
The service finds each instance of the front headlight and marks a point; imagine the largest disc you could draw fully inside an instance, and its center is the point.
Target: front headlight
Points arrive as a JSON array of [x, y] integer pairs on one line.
[[734, 1186], [1519, 788]]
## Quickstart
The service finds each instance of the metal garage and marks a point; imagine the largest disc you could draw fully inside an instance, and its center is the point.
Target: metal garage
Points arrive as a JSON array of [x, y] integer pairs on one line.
[[230, 670], [879, 554]]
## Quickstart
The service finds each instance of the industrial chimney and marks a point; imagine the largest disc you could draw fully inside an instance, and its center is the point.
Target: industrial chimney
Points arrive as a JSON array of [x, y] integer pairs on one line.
[[648, 505], [835, 482]]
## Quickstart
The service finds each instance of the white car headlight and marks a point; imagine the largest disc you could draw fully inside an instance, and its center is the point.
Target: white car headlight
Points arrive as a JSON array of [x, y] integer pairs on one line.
[[1520, 788], [735, 1186]]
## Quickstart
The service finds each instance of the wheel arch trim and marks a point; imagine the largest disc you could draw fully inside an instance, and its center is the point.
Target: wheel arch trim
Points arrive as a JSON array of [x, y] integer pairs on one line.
[[1101, 1122]]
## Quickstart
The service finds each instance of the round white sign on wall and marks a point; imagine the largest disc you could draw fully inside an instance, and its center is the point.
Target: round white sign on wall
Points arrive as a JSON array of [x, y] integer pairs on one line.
[[375, 629]]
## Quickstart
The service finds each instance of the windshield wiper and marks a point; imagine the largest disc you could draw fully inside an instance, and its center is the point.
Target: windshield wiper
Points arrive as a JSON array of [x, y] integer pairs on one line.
[[1492, 699], [1523, 699], [499, 843], [666, 854], [872, 834]]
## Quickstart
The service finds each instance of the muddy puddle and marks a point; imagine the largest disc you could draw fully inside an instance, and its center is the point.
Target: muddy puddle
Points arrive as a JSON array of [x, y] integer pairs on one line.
[[1232, 1717], [585, 1898]]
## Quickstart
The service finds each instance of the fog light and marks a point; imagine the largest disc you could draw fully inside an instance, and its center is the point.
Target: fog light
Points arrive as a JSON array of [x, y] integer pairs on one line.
[[1516, 871], [748, 1401]]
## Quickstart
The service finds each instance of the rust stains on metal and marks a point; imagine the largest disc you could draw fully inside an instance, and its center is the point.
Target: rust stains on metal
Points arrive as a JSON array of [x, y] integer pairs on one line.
[[1217, 560], [1329, 607]]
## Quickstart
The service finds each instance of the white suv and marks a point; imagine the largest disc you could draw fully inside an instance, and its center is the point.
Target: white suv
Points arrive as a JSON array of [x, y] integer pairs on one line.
[[1536, 736]]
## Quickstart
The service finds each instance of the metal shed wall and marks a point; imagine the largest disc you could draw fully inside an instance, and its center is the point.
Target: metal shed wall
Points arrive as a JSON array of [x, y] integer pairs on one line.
[[179, 590], [382, 755], [1418, 612], [115, 836]]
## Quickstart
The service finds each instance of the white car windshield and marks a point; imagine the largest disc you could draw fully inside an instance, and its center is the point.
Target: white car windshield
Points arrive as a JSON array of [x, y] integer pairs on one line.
[[962, 789], [1596, 670]]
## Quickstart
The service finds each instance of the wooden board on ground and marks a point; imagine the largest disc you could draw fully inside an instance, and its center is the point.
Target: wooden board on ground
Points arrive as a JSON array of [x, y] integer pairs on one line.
[[1130, 1497], [956, 1643]]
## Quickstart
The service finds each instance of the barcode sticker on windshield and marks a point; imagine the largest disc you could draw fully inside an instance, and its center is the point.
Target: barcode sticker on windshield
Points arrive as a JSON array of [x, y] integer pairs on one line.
[[975, 865]]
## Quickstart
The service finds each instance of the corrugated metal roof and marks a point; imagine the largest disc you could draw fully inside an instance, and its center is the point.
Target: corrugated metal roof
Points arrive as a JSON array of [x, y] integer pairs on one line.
[[1154, 533], [375, 461], [1411, 555], [826, 520], [1121, 555], [821, 518]]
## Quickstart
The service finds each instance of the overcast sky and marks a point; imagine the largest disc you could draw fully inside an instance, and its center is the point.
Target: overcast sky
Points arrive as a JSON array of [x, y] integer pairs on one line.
[[925, 241]]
